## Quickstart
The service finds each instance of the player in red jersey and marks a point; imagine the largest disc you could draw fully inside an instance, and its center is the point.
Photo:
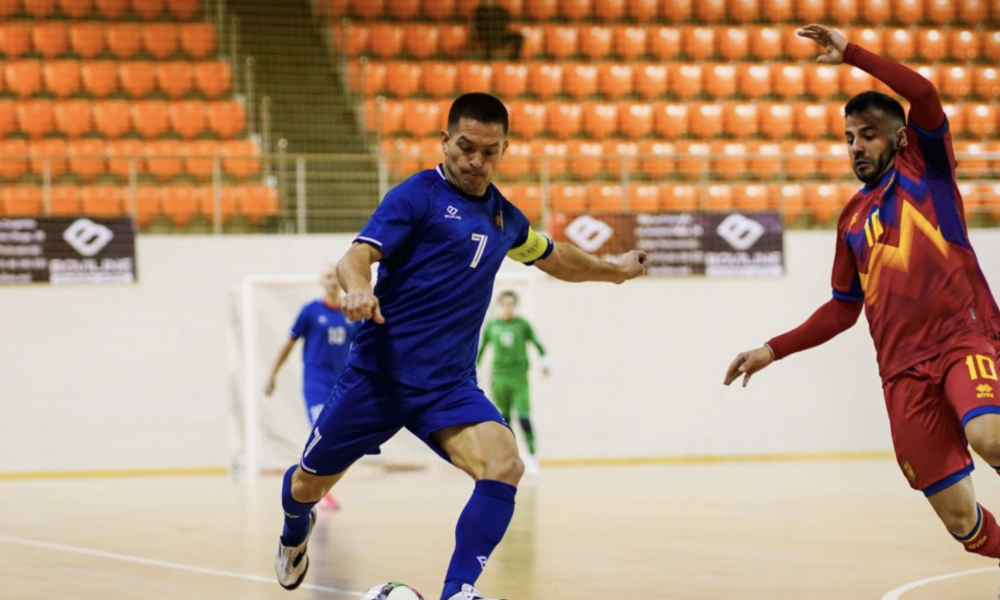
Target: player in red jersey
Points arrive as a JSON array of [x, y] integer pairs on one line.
[[903, 255]]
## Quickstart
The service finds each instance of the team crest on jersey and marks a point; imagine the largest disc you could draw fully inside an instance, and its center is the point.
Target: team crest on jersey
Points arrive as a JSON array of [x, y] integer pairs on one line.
[[984, 391], [908, 470], [498, 220]]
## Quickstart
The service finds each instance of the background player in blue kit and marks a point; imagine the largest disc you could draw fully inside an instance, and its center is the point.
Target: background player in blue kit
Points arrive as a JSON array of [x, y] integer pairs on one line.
[[328, 335], [439, 238]]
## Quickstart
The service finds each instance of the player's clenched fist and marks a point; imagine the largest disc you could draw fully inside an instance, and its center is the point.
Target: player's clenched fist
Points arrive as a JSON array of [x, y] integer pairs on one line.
[[633, 264], [748, 363], [362, 305]]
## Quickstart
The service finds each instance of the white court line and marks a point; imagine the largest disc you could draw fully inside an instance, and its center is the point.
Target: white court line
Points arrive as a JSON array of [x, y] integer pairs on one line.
[[165, 565], [898, 592]]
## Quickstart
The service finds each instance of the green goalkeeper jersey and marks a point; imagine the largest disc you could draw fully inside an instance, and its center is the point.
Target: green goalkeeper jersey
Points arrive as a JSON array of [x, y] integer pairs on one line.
[[510, 346]]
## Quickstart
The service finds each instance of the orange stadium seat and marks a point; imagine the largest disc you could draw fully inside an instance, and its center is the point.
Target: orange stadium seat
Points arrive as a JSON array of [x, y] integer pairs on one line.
[[740, 119], [148, 203], [24, 77], [566, 197], [384, 117], [585, 158], [212, 78], [643, 197], [822, 81], [527, 119], [99, 77], [643, 11], [438, 78], [931, 72], [430, 152], [187, 118], [367, 9], [932, 45], [670, 119], [401, 156], [163, 159], [899, 44], [73, 117], [565, 119], [580, 79], [841, 12], [403, 10], [765, 43], [853, 81], [630, 42], [836, 164], [986, 82], [402, 78], [939, 12], [184, 9], [720, 80], [956, 82], [710, 11], [36, 118], [517, 161], [366, 77], [656, 158], [600, 119], [684, 80], [875, 12], [65, 200], [752, 197], [650, 80], [763, 158], [149, 9], [160, 39], [241, 158], [800, 159], [112, 117], [15, 39], [39, 9], [603, 197], [528, 198], [636, 119], [356, 40], [730, 160], [776, 11], [20, 200], [50, 38], [697, 42], [575, 10], [48, 153], [614, 80], [733, 43], [972, 12], [111, 9], [963, 44], [775, 120], [609, 10], [8, 117], [138, 77], [991, 45], [124, 39], [620, 156], [62, 77], [742, 11], [197, 39], [13, 163], [150, 118], [386, 40], [560, 40], [835, 119], [868, 38], [439, 10], [541, 10], [753, 80], [594, 41], [226, 118], [809, 120], [973, 164], [552, 156], [420, 40], [182, 203], [809, 11], [676, 11], [908, 12], [956, 118], [258, 201], [791, 199], [86, 38], [123, 155], [705, 119], [474, 76], [199, 157], [823, 201], [510, 79], [718, 197], [533, 40], [102, 200], [798, 48], [175, 78], [679, 197], [421, 118], [980, 119], [545, 79]]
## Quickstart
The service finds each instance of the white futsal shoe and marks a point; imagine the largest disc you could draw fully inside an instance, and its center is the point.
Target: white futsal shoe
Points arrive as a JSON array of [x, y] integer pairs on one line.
[[469, 593], [531, 466], [291, 562]]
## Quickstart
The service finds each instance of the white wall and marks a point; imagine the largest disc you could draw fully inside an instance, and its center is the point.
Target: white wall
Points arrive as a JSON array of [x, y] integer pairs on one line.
[[136, 376]]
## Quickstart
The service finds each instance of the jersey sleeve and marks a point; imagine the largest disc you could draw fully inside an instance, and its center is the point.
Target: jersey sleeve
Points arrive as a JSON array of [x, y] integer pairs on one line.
[[301, 325], [391, 223], [529, 245], [534, 339], [846, 280], [929, 152]]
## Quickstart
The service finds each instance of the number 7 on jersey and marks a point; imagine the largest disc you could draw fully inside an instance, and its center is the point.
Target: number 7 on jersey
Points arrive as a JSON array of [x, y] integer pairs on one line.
[[481, 240]]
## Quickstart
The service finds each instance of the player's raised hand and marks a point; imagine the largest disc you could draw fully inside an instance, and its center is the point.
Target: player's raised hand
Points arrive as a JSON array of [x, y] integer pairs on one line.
[[632, 264], [832, 41], [748, 363], [360, 305]]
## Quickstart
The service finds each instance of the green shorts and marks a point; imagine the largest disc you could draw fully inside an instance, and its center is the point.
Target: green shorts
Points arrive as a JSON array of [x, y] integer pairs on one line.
[[512, 391]]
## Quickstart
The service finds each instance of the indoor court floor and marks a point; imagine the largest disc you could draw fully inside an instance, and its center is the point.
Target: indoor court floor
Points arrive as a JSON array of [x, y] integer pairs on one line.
[[804, 530]]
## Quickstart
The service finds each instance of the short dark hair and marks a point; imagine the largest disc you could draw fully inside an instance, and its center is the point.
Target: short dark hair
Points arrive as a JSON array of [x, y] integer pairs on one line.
[[508, 294], [478, 106], [875, 100]]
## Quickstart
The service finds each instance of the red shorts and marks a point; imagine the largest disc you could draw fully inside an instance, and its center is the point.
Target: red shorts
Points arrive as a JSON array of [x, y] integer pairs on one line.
[[929, 405]]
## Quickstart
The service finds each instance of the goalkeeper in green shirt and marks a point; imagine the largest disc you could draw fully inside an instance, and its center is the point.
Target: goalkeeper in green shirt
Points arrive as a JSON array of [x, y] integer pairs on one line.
[[510, 335]]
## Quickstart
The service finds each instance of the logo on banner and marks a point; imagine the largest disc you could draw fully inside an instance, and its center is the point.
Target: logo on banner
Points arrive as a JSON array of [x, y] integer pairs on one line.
[[88, 238], [740, 232], [588, 233]]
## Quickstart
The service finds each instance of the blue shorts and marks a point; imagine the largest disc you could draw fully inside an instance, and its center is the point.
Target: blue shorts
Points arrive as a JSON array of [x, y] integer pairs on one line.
[[366, 410]]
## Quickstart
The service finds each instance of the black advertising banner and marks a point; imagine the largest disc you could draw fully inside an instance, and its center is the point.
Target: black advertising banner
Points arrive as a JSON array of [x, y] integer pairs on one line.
[[691, 243], [61, 250]]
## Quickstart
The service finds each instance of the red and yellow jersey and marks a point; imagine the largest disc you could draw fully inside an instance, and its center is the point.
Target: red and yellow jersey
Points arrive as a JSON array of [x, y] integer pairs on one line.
[[903, 249]]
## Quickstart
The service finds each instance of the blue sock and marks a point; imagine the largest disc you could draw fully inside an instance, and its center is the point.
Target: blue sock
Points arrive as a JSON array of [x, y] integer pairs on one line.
[[296, 513], [480, 529]]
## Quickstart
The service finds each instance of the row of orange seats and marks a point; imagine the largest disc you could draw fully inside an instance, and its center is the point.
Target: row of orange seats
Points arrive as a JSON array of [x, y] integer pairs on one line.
[[115, 118], [656, 159], [775, 11], [101, 78], [165, 159], [181, 204], [582, 80], [105, 9], [88, 39], [670, 120], [666, 43]]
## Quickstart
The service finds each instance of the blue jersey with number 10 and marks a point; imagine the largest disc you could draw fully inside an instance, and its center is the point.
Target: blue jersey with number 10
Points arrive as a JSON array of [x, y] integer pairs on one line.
[[328, 336], [441, 251]]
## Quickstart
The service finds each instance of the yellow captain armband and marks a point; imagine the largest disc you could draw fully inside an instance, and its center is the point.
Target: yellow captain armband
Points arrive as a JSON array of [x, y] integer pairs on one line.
[[536, 247]]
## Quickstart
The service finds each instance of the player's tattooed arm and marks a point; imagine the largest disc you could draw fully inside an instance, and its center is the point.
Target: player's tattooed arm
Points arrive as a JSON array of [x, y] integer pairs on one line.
[[354, 271], [569, 263]]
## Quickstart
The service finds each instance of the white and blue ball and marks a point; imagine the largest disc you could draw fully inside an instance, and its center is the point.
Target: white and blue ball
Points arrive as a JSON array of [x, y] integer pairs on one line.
[[392, 591]]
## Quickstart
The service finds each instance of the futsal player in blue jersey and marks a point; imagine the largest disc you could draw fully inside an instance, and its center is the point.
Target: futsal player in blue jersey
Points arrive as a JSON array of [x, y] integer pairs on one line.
[[328, 336], [439, 239]]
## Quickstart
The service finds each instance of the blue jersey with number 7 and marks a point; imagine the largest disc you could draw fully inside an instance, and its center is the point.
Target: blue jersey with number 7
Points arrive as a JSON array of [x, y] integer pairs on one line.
[[441, 251]]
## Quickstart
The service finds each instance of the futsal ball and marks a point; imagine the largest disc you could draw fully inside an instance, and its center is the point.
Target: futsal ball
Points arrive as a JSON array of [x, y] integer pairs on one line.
[[392, 591]]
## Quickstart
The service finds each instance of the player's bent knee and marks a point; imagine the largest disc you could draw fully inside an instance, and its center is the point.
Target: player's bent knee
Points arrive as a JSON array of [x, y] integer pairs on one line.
[[508, 468], [959, 520]]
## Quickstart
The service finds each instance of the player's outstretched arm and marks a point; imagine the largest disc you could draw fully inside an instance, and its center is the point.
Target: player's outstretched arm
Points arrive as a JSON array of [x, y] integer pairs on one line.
[[569, 263], [272, 381], [354, 271]]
